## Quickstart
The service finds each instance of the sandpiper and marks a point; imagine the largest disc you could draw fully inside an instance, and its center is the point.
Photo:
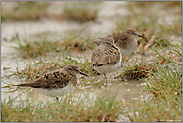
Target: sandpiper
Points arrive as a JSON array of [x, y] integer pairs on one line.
[[124, 40], [56, 83], [106, 57]]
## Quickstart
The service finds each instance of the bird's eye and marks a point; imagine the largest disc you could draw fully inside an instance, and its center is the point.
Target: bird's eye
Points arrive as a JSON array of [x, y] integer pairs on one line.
[[75, 69], [132, 32], [107, 42]]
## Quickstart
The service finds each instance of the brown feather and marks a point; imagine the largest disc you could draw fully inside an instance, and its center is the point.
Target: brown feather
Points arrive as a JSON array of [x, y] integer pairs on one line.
[[105, 54], [56, 79], [121, 38]]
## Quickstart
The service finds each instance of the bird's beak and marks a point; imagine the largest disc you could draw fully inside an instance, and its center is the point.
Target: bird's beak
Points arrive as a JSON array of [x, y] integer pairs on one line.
[[141, 36], [83, 74]]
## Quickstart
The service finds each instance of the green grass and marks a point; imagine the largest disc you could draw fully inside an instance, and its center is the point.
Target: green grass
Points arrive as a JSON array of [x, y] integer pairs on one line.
[[166, 105], [171, 56], [30, 10], [65, 110], [163, 80], [165, 85], [80, 11], [31, 48], [166, 82]]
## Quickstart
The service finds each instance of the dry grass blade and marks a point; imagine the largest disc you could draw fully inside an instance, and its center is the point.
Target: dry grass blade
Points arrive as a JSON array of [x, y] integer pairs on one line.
[[103, 118], [150, 42]]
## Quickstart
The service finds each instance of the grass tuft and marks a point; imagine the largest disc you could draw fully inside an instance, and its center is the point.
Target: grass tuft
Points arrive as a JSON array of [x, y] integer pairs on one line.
[[61, 111], [166, 102], [166, 83], [138, 72], [29, 10], [81, 12], [40, 47]]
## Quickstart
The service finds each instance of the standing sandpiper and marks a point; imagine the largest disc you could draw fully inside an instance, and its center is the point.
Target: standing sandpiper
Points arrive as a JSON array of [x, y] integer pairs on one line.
[[106, 57], [56, 83], [124, 40]]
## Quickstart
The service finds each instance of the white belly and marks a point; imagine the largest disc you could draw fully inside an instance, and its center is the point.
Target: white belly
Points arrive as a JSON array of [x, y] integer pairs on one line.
[[56, 92], [130, 49], [104, 69], [126, 52]]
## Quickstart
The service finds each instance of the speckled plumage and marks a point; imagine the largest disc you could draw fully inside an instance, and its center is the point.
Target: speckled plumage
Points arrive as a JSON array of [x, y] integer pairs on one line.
[[124, 40], [106, 57], [106, 54], [56, 80]]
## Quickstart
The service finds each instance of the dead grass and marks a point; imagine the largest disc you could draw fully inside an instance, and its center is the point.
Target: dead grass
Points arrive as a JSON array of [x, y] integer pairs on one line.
[[138, 72], [31, 10]]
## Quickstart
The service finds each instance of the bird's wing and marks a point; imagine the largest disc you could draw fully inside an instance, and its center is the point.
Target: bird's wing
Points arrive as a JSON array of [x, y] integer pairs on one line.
[[120, 39], [110, 55], [96, 55], [114, 36], [56, 79]]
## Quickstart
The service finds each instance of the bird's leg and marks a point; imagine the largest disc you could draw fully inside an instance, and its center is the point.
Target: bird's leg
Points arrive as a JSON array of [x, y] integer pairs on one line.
[[142, 58], [106, 81], [123, 58], [122, 61], [101, 83]]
